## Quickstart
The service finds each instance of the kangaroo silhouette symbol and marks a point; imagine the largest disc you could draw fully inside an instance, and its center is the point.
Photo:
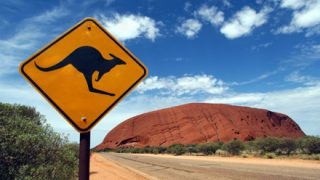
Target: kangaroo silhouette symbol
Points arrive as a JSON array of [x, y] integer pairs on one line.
[[87, 60]]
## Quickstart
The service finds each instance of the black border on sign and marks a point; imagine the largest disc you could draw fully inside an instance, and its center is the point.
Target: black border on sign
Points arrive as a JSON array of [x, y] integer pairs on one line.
[[21, 68]]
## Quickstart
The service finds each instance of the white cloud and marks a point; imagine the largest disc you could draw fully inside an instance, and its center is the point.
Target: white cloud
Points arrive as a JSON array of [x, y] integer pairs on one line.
[[20, 42], [108, 2], [260, 46], [185, 85], [51, 15], [211, 14], [306, 54], [306, 16], [297, 77], [315, 50], [226, 3], [14, 48], [313, 31], [189, 28], [244, 99], [257, 79], [244, 22], [281, 101], [187, 6], [293, 4], [129, 26]]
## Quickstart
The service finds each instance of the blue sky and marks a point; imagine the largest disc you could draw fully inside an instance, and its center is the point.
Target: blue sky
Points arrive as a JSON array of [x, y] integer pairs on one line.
[[263, 54]]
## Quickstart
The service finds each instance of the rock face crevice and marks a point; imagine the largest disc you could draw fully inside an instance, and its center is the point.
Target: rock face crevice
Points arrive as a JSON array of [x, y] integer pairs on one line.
[[199, 123]]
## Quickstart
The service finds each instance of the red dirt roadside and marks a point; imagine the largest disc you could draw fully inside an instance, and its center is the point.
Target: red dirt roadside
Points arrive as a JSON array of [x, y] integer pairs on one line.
[[101, 168]]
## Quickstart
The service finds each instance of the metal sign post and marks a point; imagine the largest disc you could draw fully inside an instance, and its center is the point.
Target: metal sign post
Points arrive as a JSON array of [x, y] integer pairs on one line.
[[84, 156]]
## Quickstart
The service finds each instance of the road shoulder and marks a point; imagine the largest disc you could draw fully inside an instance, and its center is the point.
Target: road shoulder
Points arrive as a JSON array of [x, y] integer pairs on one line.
[[102, 168]]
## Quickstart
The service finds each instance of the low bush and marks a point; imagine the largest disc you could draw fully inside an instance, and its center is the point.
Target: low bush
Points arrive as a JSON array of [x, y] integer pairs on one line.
[[176, 149], [270, 155], [244, 155], [209, 148], [309, 144], [234, 147], [222, 153], [158, 150], [30, 149], [267, 145], [287, 146], [192, 148]]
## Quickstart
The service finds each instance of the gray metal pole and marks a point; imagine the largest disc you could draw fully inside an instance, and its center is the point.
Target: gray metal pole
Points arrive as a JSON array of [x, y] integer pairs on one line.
[[84, 156]]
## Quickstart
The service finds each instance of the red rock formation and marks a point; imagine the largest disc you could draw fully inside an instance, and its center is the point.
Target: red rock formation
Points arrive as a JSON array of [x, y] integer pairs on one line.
[[199, 123]]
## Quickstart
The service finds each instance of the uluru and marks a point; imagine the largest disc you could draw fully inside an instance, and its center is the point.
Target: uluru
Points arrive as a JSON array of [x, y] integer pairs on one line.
[[199, 123]]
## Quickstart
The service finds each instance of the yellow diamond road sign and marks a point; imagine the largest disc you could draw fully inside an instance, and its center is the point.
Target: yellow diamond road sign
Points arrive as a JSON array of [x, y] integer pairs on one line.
[[84, 73]]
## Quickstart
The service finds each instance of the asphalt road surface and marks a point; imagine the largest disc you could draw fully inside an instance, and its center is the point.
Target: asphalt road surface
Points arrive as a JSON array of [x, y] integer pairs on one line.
[[170, 167]]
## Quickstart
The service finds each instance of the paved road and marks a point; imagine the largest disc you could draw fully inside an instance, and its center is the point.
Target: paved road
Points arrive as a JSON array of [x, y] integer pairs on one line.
[[164, 167]]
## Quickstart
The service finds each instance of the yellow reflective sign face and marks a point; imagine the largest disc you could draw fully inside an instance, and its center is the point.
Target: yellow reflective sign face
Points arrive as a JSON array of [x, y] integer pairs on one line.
[[84, 73]]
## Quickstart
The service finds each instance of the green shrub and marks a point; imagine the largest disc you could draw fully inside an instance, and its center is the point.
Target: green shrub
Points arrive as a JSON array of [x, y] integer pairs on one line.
[[119, 150], [137, 150], [107, 150], [192, 148], [222, 153], [148, 149], [244, 155], [209, 148], [176, 149], [270, 155], [268, 144], [286, 146], [250, 147], [30, 149], [159, 150], [315, 156], [234, 147], [154, 150], [310, 144]]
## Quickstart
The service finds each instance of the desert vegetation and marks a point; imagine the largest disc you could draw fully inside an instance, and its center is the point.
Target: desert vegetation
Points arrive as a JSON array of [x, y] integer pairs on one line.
[[30, 149], [307, 147]]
